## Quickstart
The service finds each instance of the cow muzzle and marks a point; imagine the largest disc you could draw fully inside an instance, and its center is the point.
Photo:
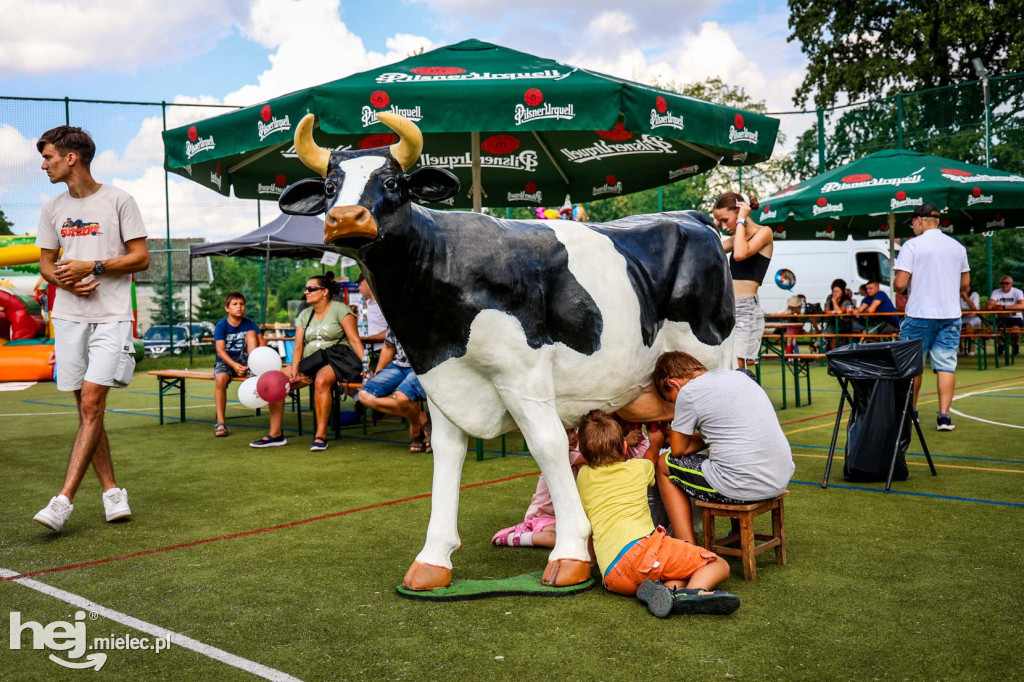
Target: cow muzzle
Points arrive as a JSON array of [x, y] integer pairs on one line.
[[348, 222]]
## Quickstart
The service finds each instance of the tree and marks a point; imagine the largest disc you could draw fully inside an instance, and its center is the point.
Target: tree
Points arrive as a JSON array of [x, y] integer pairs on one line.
[[159, 308], [892, 48], [5, 224], [871, 48]]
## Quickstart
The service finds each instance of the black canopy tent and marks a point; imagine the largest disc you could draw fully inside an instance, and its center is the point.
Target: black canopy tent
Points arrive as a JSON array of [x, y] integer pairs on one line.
[[287, 236]]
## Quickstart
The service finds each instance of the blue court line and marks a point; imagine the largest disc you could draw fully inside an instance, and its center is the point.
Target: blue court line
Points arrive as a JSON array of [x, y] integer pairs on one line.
[[255, 426], [913, 494], [919, 454]]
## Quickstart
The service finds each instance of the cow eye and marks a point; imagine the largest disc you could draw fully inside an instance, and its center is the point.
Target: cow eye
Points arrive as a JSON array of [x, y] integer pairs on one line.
[[391, 184]]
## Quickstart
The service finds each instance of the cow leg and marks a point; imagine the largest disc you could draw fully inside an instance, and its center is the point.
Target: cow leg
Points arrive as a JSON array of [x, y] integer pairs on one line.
[[433, 565], [569, 561]]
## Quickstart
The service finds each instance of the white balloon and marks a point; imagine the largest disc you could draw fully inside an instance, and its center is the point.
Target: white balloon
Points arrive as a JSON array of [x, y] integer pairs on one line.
[[248, 396], [264, 359]]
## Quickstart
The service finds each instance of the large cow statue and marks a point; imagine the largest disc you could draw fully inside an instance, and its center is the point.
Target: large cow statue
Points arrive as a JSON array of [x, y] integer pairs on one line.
[[515, 323]]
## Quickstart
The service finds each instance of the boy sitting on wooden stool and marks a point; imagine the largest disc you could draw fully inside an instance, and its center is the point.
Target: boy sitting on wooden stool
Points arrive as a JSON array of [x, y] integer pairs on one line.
[[748, 458]]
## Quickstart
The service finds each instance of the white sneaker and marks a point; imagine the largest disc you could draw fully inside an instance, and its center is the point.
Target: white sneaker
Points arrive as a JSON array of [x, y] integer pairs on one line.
[[115, 504], [55, 514]]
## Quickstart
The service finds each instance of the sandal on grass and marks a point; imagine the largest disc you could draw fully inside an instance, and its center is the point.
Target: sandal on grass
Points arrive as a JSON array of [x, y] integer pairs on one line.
[[319, 444], [418, 444], [220, 430]]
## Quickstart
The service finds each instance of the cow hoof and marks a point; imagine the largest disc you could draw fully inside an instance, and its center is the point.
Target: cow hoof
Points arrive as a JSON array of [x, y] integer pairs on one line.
[[564, 572], [426, 577]]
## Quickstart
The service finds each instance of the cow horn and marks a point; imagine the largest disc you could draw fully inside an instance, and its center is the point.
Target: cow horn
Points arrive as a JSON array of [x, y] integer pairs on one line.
[[311, 154], [410, 139]]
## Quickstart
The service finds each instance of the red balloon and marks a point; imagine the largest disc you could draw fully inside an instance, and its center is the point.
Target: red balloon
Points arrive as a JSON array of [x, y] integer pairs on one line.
[[273, 386]]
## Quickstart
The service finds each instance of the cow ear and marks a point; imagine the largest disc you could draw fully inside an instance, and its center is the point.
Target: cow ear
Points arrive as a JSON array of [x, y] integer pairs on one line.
[[305, 197], [432, 184]]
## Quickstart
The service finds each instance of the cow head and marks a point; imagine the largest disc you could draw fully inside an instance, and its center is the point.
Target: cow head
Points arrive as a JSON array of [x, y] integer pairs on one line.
[[362, 188]]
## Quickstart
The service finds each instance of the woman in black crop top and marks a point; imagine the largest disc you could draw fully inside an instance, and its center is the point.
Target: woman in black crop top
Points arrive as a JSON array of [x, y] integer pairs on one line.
[[749, 246]]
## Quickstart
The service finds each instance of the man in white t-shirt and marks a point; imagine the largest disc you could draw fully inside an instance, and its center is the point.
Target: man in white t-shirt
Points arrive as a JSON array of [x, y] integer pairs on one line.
[[1008, 297], [935, 267], [97, 232], [376, 325]]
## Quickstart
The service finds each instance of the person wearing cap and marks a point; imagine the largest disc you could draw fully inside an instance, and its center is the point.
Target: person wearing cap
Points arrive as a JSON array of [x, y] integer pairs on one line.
[[932, 267], [1008, 297]]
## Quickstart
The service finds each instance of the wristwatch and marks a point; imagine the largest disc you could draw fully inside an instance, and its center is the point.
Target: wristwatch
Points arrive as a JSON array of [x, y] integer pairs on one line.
[[741, 221], [98, 269]]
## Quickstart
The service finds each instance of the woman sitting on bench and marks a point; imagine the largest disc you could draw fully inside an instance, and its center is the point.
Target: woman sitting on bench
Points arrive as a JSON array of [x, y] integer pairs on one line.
[[327, 350]]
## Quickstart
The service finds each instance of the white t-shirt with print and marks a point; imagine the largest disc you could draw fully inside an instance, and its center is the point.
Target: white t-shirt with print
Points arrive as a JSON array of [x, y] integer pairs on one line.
[[90, 229], [1011, 297], [935, 263]]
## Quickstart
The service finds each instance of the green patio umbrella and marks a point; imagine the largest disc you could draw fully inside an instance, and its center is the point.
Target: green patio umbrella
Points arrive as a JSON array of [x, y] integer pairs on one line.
[[873, 196], [518, 130]]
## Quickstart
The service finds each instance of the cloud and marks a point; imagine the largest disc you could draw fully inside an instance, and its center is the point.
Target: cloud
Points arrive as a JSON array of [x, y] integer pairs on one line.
[[51, 36], [312, 46], [19, 153], [516, 23], [195, 210]]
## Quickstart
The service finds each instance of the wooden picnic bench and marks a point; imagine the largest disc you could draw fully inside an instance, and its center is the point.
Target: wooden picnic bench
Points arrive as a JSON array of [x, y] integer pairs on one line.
[[174, 380]]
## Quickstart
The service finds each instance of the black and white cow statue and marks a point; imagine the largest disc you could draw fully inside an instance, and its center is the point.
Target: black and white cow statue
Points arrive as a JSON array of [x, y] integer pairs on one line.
[[515, 323]]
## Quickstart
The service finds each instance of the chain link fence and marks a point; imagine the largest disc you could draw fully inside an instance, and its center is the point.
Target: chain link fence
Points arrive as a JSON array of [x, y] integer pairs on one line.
[[980, 122]]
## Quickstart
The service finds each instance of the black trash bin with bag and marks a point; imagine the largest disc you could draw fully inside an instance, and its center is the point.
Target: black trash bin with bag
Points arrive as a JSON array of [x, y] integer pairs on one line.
[[878, 431]]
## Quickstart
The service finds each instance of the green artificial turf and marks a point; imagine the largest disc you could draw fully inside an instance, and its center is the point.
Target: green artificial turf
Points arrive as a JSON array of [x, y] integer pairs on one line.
[[921, 583]]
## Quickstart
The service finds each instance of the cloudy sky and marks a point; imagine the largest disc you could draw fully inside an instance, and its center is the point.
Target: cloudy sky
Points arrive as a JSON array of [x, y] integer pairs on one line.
[[242, 52]]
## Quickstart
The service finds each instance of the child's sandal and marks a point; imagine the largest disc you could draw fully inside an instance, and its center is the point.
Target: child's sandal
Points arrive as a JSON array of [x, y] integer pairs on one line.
[[220, 430]]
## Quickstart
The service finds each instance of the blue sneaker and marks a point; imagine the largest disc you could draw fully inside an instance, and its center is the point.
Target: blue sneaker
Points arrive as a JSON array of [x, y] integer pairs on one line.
[[944, 423], [717, 602], [657, 597], [269, 441]]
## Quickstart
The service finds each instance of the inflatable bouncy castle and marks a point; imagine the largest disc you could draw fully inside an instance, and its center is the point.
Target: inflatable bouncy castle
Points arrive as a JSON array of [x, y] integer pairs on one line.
[[25, 340]]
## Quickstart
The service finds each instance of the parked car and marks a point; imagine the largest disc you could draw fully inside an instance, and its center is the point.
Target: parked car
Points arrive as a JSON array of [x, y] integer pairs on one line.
[[202, 333], [157, 340]]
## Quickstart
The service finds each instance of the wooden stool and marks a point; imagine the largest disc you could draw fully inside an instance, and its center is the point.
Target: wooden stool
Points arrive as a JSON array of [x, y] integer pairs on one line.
[[742, 518]]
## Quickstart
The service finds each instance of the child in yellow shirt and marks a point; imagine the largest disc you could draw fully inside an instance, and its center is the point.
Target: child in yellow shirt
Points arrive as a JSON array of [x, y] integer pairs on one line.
[[636, 558]]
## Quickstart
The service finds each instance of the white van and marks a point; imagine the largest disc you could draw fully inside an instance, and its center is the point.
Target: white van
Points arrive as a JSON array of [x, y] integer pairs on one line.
[[816, 263]]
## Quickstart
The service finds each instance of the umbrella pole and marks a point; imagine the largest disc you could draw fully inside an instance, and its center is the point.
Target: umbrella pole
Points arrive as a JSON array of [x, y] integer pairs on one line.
[[892, 249], [474, 141]]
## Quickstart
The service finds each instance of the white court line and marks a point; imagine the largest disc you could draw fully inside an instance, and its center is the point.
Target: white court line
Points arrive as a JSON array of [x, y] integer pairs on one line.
[[176, 639], [979, 419], [109, 409]]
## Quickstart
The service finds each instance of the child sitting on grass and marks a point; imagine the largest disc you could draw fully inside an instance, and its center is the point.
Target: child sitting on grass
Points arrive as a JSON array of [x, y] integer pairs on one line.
[[234, 338], [635, 558]]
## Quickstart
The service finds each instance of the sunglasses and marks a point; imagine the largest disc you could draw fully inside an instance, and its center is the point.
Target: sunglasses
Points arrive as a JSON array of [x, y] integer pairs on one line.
[[1006, 282], [310, 290]]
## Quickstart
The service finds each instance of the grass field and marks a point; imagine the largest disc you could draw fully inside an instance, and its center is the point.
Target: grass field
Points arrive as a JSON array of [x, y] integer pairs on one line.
[[921, 583]]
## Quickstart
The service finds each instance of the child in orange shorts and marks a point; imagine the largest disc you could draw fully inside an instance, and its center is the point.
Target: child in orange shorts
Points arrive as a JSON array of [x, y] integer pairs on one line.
[[635, 558]]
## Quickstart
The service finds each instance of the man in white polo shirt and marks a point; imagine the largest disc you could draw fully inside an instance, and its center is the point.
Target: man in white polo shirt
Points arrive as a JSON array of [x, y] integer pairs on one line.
[[100, 230], [935, 267]]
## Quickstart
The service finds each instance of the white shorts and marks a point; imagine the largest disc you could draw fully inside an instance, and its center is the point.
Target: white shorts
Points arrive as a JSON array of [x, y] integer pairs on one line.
[[749, 328], [101, 353]]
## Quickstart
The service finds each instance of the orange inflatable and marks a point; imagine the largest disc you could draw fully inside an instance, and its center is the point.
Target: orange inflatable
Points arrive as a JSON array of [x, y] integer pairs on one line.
[[25, 362]]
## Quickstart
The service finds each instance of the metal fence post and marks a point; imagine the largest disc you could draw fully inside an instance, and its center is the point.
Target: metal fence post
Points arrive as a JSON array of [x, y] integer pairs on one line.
[[167, 213], [821, 140], [899, 121], [67, 111]]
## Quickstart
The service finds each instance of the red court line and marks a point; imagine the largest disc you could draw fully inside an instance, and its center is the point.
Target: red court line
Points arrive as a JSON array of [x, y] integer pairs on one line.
[[958, 388], [257, 531]]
